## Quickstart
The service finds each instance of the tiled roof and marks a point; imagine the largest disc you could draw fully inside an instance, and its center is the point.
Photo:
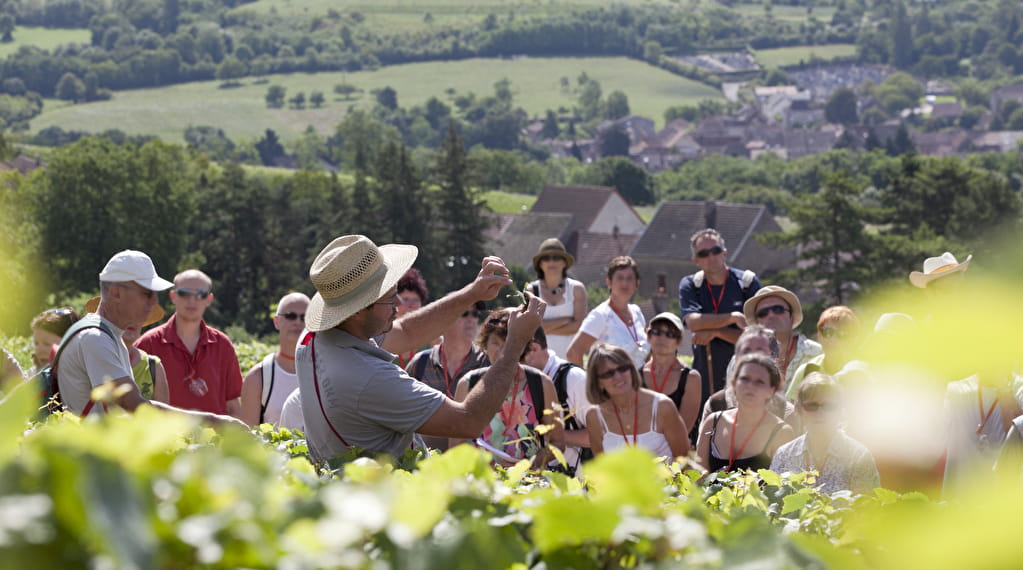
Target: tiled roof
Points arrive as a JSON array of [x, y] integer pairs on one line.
[[667, 235], [595, 251], [583, 202], [520, 238]]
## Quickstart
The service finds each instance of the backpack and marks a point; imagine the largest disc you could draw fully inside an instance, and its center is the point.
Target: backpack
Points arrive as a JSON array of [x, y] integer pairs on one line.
[[47, 377], [534, 382], [744, 281], [269, 370], [561, 387]]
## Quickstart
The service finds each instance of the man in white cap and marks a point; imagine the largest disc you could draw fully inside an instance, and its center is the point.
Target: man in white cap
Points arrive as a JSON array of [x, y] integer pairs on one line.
[[779, 309], [353, 394], [92, 352]]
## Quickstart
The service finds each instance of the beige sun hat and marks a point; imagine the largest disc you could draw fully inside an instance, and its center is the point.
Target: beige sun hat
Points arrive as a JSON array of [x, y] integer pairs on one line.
[[938, 267], [350, 274], [154, 316], [749, 308]]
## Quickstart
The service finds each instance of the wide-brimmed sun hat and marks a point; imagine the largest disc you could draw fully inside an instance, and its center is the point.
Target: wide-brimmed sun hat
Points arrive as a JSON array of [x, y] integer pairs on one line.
[[154, 316], [350, 274], [552, 246], [749, 308], [938, 267]]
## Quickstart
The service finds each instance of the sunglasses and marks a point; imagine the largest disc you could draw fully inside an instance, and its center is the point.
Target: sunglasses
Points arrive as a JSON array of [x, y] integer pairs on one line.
[[776, 309], [475, 314], [821, 406], [670, 333], [292, 316], [551, 257], [834, 333], [621, 369], [186, 293], [716, 250], [58, 312]]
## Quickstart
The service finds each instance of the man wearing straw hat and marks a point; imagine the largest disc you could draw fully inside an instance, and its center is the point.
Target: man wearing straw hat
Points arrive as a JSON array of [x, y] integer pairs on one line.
[[353, 395], [93, 353]]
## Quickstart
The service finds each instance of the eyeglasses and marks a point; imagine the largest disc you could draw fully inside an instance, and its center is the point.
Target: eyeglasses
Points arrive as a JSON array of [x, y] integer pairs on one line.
[[622, 369], [475, 314], [776, 309], [834, 333], [58, 312], [670, 333], [820, 406], [716, 250], [550, 258], [292, 316], [186, 293]]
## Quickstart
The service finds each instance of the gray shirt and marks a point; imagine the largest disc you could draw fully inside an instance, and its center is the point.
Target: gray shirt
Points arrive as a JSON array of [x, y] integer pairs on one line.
[[367, 399], [90, 359]]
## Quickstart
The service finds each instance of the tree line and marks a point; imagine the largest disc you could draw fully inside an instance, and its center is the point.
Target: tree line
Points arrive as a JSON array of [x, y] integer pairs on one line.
[[256, 235]]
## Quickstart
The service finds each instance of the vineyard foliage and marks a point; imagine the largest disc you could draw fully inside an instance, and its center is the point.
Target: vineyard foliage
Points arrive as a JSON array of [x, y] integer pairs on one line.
[[157, 491]]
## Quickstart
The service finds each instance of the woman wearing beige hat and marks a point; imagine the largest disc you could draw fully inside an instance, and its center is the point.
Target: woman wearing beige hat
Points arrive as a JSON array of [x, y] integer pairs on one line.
[[565, 297]]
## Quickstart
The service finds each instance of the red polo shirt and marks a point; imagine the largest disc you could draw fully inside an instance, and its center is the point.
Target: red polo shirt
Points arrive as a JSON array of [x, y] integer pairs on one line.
[[205, 380]]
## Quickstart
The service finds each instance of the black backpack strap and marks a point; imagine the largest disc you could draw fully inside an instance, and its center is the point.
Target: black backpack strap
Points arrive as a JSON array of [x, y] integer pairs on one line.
[[534, 382], [561, 387]]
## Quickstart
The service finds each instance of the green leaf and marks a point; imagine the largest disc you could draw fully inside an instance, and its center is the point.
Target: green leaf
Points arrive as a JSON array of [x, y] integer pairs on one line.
[[795, 502], [770, 477]]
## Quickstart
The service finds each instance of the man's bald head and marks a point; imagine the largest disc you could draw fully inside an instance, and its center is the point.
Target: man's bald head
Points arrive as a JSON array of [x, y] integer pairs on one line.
[[192, 275]]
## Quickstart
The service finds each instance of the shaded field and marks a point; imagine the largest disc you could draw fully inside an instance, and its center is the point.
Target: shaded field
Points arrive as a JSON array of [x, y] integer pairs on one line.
[[786, 13], [793, 55], [44, 38], [508, 202], [242, 113]]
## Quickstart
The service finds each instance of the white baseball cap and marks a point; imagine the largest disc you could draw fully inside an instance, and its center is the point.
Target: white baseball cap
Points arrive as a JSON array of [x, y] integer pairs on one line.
[[131, 265]]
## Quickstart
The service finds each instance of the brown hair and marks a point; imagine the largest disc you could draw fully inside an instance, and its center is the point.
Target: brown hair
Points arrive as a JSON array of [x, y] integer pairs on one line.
[[56, 321], [839, 314], [622, 262], [413, 281], [760, 359], [815, 385], [599, 354]]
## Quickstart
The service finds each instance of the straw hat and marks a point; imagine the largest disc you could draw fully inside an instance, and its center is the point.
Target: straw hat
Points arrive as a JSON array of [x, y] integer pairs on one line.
[[552, 246], [156, 315], [749, 308], [937, 267], [350, 274]]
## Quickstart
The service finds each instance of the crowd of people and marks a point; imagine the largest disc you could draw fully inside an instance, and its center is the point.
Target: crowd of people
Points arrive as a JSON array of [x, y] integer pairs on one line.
[[368, 362]]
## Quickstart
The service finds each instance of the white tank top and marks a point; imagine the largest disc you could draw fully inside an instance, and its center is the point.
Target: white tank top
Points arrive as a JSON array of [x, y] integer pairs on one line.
[[559, 342], [284, 384], [653, 440]]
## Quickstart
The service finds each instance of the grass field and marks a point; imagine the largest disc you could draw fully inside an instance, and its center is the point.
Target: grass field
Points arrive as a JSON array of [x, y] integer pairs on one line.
[[44, 38], [508, 202], [786, 13], [793, 55], [242, 112], [390, 16]]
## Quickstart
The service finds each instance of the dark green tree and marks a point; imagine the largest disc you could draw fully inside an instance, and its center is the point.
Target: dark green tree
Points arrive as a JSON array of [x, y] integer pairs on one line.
[[387, 98], [6, 28], [275, 96], [550, 126], [316, 99], [634, 183], [614, 142], [841, 107], [269, 147], [902, 37], [616, 106]]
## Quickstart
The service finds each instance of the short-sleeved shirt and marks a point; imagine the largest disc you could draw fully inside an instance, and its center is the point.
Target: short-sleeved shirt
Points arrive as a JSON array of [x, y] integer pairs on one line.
[[371, 402], [603, 324], [89, 359], [848, 466], [433, 375], [291, 412], [693, 299], [205, 380]]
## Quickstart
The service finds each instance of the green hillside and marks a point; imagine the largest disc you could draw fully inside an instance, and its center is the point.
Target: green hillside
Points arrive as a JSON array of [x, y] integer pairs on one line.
[[242, 112]]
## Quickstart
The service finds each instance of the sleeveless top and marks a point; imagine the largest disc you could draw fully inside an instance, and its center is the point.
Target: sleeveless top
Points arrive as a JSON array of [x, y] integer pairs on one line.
[[759, 461], [142, 375], [652, 440], [284, 384], [559, 342], [513, 428], [680, 390]]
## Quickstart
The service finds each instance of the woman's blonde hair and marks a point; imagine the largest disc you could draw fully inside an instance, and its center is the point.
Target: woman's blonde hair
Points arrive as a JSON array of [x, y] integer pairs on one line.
[[756, 358]]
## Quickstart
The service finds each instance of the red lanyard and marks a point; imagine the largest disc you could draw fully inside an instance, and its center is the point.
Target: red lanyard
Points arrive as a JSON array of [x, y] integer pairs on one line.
[[404, 359], [721, 295], [444, 365], [635, 421], [980, 409], [664, 381], [788, 358], [509, 415], [631, 329], [732, 454]]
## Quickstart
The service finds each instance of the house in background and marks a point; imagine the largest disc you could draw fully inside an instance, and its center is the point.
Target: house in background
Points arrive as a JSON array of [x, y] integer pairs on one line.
[[664, 246]]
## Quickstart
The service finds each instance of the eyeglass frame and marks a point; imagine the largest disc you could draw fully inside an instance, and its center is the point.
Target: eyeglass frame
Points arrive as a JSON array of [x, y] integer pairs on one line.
[[704, 253]]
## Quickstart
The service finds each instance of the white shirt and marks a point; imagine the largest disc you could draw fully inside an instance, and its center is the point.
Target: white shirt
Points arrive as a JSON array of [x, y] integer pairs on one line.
[[603, 324]]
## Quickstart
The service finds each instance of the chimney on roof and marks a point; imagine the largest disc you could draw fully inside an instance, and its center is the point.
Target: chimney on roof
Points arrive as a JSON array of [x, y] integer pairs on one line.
[[710, 214]]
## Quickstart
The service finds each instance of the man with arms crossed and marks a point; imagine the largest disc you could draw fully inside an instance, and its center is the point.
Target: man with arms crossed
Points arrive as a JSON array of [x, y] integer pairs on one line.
[[353, 395]]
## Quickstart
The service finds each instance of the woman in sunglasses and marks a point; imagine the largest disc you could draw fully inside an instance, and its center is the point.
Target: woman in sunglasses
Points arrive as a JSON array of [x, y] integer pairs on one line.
[[511, 435], [565, 297], [838, 330], [841, 462], [624, 413], [746, 436], [664, 374]]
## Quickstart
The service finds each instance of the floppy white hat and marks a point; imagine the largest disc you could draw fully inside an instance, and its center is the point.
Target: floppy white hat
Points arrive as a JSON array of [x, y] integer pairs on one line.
[[131, 265], [350, 274], [938, 267]]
